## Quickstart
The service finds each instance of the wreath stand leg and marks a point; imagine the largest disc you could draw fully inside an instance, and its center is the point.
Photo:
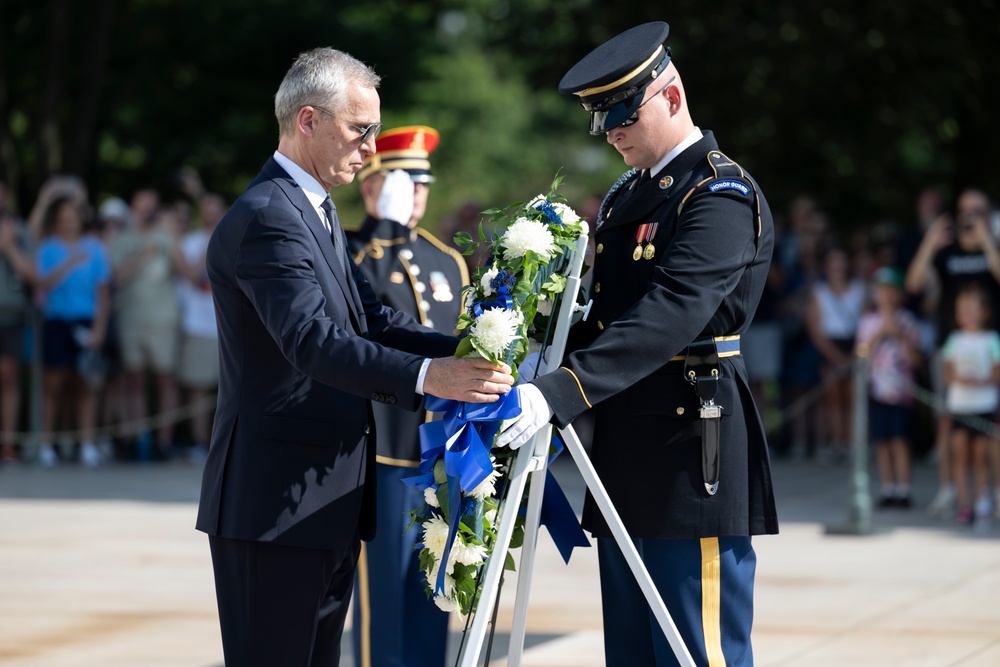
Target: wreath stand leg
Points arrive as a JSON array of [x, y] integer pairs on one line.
[[528, 462], [533, 459]]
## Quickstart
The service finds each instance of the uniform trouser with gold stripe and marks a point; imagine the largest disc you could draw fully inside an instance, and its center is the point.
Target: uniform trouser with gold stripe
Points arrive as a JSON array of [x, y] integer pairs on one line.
[[394, 622], [707, 586]]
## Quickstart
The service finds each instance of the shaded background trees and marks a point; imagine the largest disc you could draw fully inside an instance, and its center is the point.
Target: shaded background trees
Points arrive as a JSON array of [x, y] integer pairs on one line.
[[858, 103]]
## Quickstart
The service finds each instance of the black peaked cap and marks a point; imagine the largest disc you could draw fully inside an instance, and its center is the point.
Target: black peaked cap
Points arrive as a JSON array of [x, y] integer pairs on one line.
[[616, 58]]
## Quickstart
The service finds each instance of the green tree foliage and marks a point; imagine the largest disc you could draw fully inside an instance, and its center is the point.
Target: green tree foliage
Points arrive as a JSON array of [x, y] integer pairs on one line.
[[858, 103]]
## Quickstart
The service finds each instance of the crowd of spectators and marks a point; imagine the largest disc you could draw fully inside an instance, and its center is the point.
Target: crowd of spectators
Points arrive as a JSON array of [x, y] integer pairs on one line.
[[128, 331], [910, 298], [116, 304]]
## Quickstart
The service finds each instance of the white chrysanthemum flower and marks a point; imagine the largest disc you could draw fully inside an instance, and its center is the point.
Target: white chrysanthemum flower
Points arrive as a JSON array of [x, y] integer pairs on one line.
[[436, 536], [446, 604], [487, 279], [467, 554], [525, 235], [544, 306], [491, 516], [487, 487], [495, 330], [430, 497], [566, 214], [449, 581]]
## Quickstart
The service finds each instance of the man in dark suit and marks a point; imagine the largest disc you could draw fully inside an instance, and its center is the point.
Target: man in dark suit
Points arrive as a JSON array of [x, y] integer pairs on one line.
[[305, 346], [683, 244], [395, 623]]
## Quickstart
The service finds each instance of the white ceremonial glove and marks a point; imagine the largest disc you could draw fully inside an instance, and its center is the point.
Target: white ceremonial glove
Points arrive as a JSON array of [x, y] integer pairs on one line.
[[535, 413], [395, 202]]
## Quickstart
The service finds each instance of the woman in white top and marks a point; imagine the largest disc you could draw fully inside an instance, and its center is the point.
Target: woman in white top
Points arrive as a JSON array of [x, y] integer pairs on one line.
[[835, 307]]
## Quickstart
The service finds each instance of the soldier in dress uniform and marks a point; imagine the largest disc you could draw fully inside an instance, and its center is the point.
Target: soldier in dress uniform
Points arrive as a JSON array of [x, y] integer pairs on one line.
[[414, 272], [683, 245]]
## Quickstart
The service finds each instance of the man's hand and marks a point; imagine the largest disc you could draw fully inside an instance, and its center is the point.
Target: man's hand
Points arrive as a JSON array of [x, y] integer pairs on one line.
[[535, 413], [473, 379], [395, 202]]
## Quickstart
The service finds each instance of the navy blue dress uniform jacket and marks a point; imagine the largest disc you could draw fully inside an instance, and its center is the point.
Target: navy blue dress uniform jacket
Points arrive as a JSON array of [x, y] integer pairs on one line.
[[712, 248], [412, 272], [305, 346]]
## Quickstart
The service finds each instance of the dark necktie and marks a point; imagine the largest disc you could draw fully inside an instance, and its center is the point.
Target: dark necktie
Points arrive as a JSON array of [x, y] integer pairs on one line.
[[636, 184], [333, 227]]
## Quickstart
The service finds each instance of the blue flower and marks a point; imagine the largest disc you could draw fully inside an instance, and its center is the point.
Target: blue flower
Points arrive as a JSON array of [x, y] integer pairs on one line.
[[504, 278], [549, 214]]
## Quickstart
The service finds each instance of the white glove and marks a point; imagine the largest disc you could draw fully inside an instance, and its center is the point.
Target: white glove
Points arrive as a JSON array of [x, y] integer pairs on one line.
[[395, 202], [535, 413]]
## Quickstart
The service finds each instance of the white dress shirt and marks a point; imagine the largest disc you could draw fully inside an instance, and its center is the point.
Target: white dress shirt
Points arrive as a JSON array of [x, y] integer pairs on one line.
[[315, 192]]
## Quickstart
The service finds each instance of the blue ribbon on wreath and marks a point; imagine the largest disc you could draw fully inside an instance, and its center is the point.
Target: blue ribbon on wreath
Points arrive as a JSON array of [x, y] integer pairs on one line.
[[463, 437], [557, 514], [504, 300]]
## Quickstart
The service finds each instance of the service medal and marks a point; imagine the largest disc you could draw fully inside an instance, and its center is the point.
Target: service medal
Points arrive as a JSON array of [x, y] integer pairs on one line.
[[645, 235]]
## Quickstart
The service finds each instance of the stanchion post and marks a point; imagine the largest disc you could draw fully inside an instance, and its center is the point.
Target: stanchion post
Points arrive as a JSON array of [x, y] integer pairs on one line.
[[29, 451], [859, 506]]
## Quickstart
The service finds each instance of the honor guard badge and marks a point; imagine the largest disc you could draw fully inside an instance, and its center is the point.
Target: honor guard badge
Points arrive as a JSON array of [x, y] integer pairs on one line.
[[666, 182], [396, 278], [729, 185]]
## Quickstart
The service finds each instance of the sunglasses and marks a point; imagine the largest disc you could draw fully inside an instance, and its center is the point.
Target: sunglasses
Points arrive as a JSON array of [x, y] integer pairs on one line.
[[623, 113], [368, 132]]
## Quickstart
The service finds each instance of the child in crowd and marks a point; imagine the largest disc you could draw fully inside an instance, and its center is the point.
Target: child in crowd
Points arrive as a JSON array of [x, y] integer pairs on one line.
[[890, 338], [972, 374]]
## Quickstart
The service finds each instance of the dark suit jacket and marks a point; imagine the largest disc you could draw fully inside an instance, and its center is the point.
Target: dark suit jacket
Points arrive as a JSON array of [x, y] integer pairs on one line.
[[712, 247], [412, 272], [305, 345]]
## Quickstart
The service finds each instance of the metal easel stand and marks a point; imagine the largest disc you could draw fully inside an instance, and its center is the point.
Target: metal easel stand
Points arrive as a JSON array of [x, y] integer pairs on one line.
[[533, 459]]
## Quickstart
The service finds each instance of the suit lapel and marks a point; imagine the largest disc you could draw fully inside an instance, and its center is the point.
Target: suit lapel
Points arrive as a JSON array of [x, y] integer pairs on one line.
[[323, 240]]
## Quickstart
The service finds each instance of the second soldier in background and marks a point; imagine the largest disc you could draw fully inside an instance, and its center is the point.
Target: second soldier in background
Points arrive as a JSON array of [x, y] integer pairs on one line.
[[413, 272]]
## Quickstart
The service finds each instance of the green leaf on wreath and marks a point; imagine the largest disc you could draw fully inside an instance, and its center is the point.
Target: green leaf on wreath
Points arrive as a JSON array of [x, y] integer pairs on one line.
[[443, 500], [517, 537], [464, 348], [557, 181], [556, 284], [508, 563]]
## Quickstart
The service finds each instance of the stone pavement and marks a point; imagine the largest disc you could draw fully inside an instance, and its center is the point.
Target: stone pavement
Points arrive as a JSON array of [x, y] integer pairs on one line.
[[104, 569]]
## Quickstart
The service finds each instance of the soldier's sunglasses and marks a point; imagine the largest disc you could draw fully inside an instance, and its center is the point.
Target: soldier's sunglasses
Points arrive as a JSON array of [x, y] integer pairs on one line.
[[623, 113]]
